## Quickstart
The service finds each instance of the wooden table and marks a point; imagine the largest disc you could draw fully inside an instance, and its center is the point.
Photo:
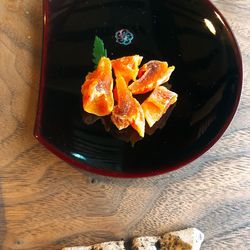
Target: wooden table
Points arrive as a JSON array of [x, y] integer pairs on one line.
[[46, 204]]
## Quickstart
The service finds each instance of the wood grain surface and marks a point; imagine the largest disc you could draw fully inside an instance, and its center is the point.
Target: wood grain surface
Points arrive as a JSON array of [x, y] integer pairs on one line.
[[46, 204]]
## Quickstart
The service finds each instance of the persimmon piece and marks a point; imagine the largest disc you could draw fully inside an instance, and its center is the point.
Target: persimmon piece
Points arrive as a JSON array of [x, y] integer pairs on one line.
[[152, 74], [156, 105], [127, 67], [138, 122], [97, 89], [128, 110]]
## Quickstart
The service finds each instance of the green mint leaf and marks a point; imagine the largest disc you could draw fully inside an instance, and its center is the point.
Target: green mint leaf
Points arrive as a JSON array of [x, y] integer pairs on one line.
[[98, 50]]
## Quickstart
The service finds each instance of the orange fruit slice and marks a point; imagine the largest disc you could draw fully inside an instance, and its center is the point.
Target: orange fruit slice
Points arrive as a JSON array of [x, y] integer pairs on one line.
[[128, 111], [97, 89], [127, 67], [156, 105], [151, 75]]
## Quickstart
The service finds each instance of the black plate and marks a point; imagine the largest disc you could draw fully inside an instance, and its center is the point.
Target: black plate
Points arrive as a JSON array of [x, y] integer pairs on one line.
[[190, 34]]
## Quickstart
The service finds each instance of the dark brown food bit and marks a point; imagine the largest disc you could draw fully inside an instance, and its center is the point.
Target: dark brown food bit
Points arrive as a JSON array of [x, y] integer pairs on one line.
[[172, 242]]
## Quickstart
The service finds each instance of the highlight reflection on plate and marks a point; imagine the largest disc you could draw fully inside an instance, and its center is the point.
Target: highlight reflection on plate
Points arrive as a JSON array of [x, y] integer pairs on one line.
[[190, 34]]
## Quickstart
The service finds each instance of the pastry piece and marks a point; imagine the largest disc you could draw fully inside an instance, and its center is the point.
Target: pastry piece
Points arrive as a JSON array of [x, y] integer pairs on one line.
[[145, 243], [152, 74], [173, 242], [78, 248], [112, 245], [191, 236], [188, 239], [97, 89]]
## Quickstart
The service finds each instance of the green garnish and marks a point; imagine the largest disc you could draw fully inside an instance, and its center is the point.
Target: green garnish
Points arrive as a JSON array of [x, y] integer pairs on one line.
[[98, 50]]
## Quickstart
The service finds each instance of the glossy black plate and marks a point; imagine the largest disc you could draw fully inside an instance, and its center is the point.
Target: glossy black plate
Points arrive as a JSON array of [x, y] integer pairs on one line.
[[190, 34]]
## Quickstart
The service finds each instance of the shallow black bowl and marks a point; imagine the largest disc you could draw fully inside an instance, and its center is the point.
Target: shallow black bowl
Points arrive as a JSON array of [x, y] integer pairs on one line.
[[190, 34]]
